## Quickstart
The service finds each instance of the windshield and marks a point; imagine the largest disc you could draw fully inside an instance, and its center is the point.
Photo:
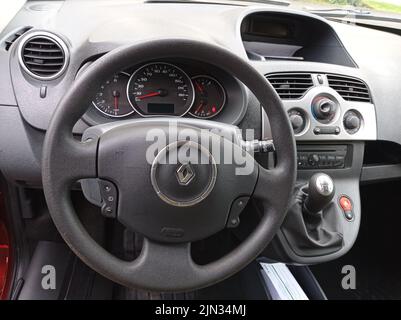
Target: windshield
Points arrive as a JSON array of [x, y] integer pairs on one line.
[[384, 12], [382, 8]]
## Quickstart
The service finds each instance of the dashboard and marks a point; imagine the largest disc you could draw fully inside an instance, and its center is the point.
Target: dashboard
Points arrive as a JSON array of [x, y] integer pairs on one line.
[[334, 86]]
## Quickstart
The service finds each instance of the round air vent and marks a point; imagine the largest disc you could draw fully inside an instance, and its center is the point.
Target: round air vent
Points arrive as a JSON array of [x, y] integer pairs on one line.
[[43, 55]]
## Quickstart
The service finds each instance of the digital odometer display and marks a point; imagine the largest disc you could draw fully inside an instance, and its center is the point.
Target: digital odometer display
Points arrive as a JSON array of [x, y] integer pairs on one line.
[[160, 108], [160, 88]]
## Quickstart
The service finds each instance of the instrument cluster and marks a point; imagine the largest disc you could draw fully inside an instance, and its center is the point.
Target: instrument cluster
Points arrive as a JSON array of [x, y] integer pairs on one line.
[[160, 89]]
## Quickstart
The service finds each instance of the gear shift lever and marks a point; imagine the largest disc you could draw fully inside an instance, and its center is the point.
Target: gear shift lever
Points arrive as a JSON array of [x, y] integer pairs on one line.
[[314, 224], [320, 193]]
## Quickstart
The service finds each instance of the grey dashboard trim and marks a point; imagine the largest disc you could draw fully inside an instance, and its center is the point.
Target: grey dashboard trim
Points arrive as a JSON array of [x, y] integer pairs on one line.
[[367, 110], [375, 173], [263, 9], [20, 148]]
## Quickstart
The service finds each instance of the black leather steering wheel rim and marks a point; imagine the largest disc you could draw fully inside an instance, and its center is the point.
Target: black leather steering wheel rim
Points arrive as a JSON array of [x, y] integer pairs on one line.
[[161, 267]]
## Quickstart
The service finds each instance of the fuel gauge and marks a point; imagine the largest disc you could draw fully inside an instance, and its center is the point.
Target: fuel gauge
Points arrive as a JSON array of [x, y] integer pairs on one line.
[[210, 97]]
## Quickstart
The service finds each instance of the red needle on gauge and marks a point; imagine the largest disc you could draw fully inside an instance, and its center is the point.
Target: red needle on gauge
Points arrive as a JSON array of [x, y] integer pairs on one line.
[[199, 87], [116, 95], [198, 109], [148, 95]]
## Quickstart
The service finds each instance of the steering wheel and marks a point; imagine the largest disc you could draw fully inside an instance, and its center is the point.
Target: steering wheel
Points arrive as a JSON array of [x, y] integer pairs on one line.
[[169, 214]]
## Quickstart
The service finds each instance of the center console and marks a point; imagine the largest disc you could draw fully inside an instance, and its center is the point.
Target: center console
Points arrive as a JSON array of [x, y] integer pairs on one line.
[[332, 116], [330, 231]]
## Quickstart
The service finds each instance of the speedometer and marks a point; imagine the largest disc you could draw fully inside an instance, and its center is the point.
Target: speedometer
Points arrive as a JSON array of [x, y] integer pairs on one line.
[[160, 89]]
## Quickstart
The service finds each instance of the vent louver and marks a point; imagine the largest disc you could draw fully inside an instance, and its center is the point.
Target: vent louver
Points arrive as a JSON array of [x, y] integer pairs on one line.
[[11, 39], [350, 89], [290, 85], [44, 56]]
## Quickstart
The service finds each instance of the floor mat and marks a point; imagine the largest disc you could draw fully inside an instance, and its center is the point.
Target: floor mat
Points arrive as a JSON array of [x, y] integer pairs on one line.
[[376, 254]]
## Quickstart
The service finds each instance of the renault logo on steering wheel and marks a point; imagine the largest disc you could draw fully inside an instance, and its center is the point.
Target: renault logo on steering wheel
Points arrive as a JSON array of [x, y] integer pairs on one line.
[[185, 174]]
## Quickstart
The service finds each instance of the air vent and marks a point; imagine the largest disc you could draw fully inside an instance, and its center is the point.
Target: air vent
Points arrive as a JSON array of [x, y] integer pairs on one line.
[[11, 39], [43, 56], [290, 85], [351, 89]]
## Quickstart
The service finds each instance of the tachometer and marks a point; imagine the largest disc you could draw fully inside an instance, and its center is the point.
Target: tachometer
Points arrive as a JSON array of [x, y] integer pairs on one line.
[[111, 99], [210, 97], [160, 89]]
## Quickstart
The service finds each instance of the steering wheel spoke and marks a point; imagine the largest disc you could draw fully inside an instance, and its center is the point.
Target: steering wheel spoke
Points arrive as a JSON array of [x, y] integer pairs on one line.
[[74, 161], [269, 182], [170, 265], [82, 159]]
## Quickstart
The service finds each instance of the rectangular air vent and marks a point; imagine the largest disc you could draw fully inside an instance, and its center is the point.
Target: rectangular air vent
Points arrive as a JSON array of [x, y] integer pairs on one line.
[[351, 89], [290, 85], [11, 39]]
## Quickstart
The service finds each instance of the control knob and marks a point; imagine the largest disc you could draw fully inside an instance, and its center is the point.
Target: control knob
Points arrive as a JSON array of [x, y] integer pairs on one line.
[[297, 121], [313, 160], [324, 109], [352, 122]]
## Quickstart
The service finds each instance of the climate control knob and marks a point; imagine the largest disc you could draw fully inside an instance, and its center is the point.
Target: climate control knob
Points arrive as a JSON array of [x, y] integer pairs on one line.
[[352, 121], [324, 109], [298, 120]]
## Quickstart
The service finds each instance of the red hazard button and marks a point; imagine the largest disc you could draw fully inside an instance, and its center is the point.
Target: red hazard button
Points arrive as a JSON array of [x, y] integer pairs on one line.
[[345, 204]]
